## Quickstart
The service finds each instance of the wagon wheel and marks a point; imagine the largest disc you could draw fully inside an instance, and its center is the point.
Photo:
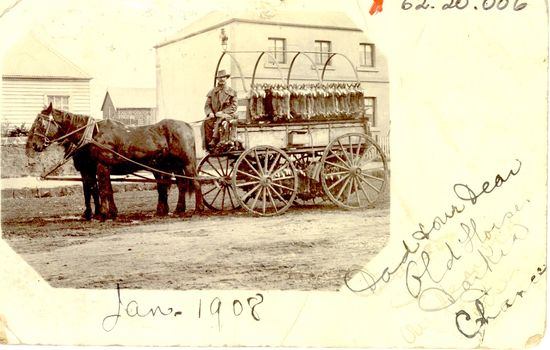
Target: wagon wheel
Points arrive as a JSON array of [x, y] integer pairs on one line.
[[216, 189], [354, 171], [265, 180]]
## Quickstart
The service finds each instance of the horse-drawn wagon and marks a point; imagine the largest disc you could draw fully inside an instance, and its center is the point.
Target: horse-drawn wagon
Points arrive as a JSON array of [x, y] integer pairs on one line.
[[301, 142], [297, 142]]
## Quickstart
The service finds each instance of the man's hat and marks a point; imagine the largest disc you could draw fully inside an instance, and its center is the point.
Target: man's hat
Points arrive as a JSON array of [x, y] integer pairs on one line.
[[222, 73]]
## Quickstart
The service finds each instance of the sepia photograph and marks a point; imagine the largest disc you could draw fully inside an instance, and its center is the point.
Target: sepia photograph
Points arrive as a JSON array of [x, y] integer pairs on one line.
[[215, 173]]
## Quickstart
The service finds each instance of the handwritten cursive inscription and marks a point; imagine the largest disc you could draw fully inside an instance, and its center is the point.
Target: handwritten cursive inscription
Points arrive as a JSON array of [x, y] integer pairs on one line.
[[465, 193], [471, 328], [456, 260], [134, 309]]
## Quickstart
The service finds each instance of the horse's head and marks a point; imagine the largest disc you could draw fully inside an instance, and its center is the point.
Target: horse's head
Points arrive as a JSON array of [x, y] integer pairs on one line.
[[45, 129]]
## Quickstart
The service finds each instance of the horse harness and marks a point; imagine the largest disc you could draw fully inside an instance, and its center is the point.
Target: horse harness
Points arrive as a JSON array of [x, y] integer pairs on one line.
[[87, 138]]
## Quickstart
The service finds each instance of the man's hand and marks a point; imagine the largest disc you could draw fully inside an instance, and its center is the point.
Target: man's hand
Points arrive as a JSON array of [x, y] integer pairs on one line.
[[210, 115], [220, 114]]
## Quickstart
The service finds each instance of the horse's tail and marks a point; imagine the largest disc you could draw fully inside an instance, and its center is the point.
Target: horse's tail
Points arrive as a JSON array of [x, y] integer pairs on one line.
[[181, 133]]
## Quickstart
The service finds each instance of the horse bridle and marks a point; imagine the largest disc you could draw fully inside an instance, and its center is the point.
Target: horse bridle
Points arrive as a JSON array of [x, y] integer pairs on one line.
[[45, 137]]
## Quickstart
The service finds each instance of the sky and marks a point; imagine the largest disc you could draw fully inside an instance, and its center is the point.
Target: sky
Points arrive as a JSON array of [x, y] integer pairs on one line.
[[113, 40]]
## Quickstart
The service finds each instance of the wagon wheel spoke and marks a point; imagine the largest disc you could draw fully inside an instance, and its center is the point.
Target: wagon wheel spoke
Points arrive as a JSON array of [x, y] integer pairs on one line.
[[358, 154], [283, 178], [230, 191], [210, 190], [350, 150], [364, 191], [258, 161], [247, 174], [337, 165], [216, 196], [256, 198], [241, 184], [214, 168], [369, 184], [343, 187], [247, 194], [275, 162], [221, 166], [337, 173], [337, 182], [223, 195], [351, 182], [214, 176], [344, 151], [282, 186], [252, 167], [278, 194], [337, 156], [266, 159], [374, 177], [271, 198]]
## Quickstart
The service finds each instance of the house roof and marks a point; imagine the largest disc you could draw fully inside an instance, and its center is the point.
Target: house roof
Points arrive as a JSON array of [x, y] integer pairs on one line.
[[30, 58], [309, 19], [131, 97]]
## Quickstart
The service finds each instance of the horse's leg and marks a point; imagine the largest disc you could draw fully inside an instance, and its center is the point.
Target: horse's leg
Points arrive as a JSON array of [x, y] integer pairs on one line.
[[162, 189], [87, 187], [95, 195], [199, 206], [187, 186], [108, 208], [182, 191], [91, 183]]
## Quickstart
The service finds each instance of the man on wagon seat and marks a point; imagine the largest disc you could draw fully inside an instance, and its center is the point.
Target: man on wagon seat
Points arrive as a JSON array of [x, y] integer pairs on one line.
[[220, 107]]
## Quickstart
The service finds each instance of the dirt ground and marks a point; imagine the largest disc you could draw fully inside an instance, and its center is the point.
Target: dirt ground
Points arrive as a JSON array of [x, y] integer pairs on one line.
[[310, 247]]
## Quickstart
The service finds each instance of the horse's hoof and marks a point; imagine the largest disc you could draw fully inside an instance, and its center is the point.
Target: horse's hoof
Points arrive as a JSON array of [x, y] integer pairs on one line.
[[87, 215], [183, 214], [162, 210]]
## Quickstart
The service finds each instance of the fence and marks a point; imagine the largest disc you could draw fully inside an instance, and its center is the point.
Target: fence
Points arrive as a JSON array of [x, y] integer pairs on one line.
[[13, 140], [384, 142]]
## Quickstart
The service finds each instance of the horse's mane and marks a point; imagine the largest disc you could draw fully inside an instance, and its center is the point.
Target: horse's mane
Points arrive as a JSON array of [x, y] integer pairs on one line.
[[68, 118]]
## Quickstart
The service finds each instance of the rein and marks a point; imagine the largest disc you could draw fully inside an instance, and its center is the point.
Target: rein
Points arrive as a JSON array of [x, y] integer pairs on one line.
[[94, 142], [87, 138]]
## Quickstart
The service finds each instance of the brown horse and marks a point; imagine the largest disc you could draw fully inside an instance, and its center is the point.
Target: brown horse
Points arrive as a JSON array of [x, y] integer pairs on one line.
[[165, 148]]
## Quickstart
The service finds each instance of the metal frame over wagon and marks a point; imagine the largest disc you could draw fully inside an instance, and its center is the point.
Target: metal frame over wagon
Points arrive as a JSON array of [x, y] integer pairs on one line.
[[303, 160]]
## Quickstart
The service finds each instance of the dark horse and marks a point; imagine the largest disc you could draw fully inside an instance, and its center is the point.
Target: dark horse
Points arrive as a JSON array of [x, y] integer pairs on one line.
[[167, 146]]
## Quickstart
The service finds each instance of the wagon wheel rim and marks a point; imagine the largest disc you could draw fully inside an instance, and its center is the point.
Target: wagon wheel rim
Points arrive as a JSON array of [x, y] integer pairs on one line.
[[354, 171], [216, 189], [265, 180]]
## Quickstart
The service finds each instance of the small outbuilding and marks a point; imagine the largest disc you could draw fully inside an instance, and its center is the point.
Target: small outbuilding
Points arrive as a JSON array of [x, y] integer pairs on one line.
[[131, 106]]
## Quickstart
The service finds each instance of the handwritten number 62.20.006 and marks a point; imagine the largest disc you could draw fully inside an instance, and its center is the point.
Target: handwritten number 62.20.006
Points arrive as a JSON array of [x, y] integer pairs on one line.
[[516, 5]]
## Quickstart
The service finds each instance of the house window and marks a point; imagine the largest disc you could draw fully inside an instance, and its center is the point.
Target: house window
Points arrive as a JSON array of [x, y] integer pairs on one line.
[[59, 102], [370, 110], [323, 49], [366, 55], [277, 49]]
